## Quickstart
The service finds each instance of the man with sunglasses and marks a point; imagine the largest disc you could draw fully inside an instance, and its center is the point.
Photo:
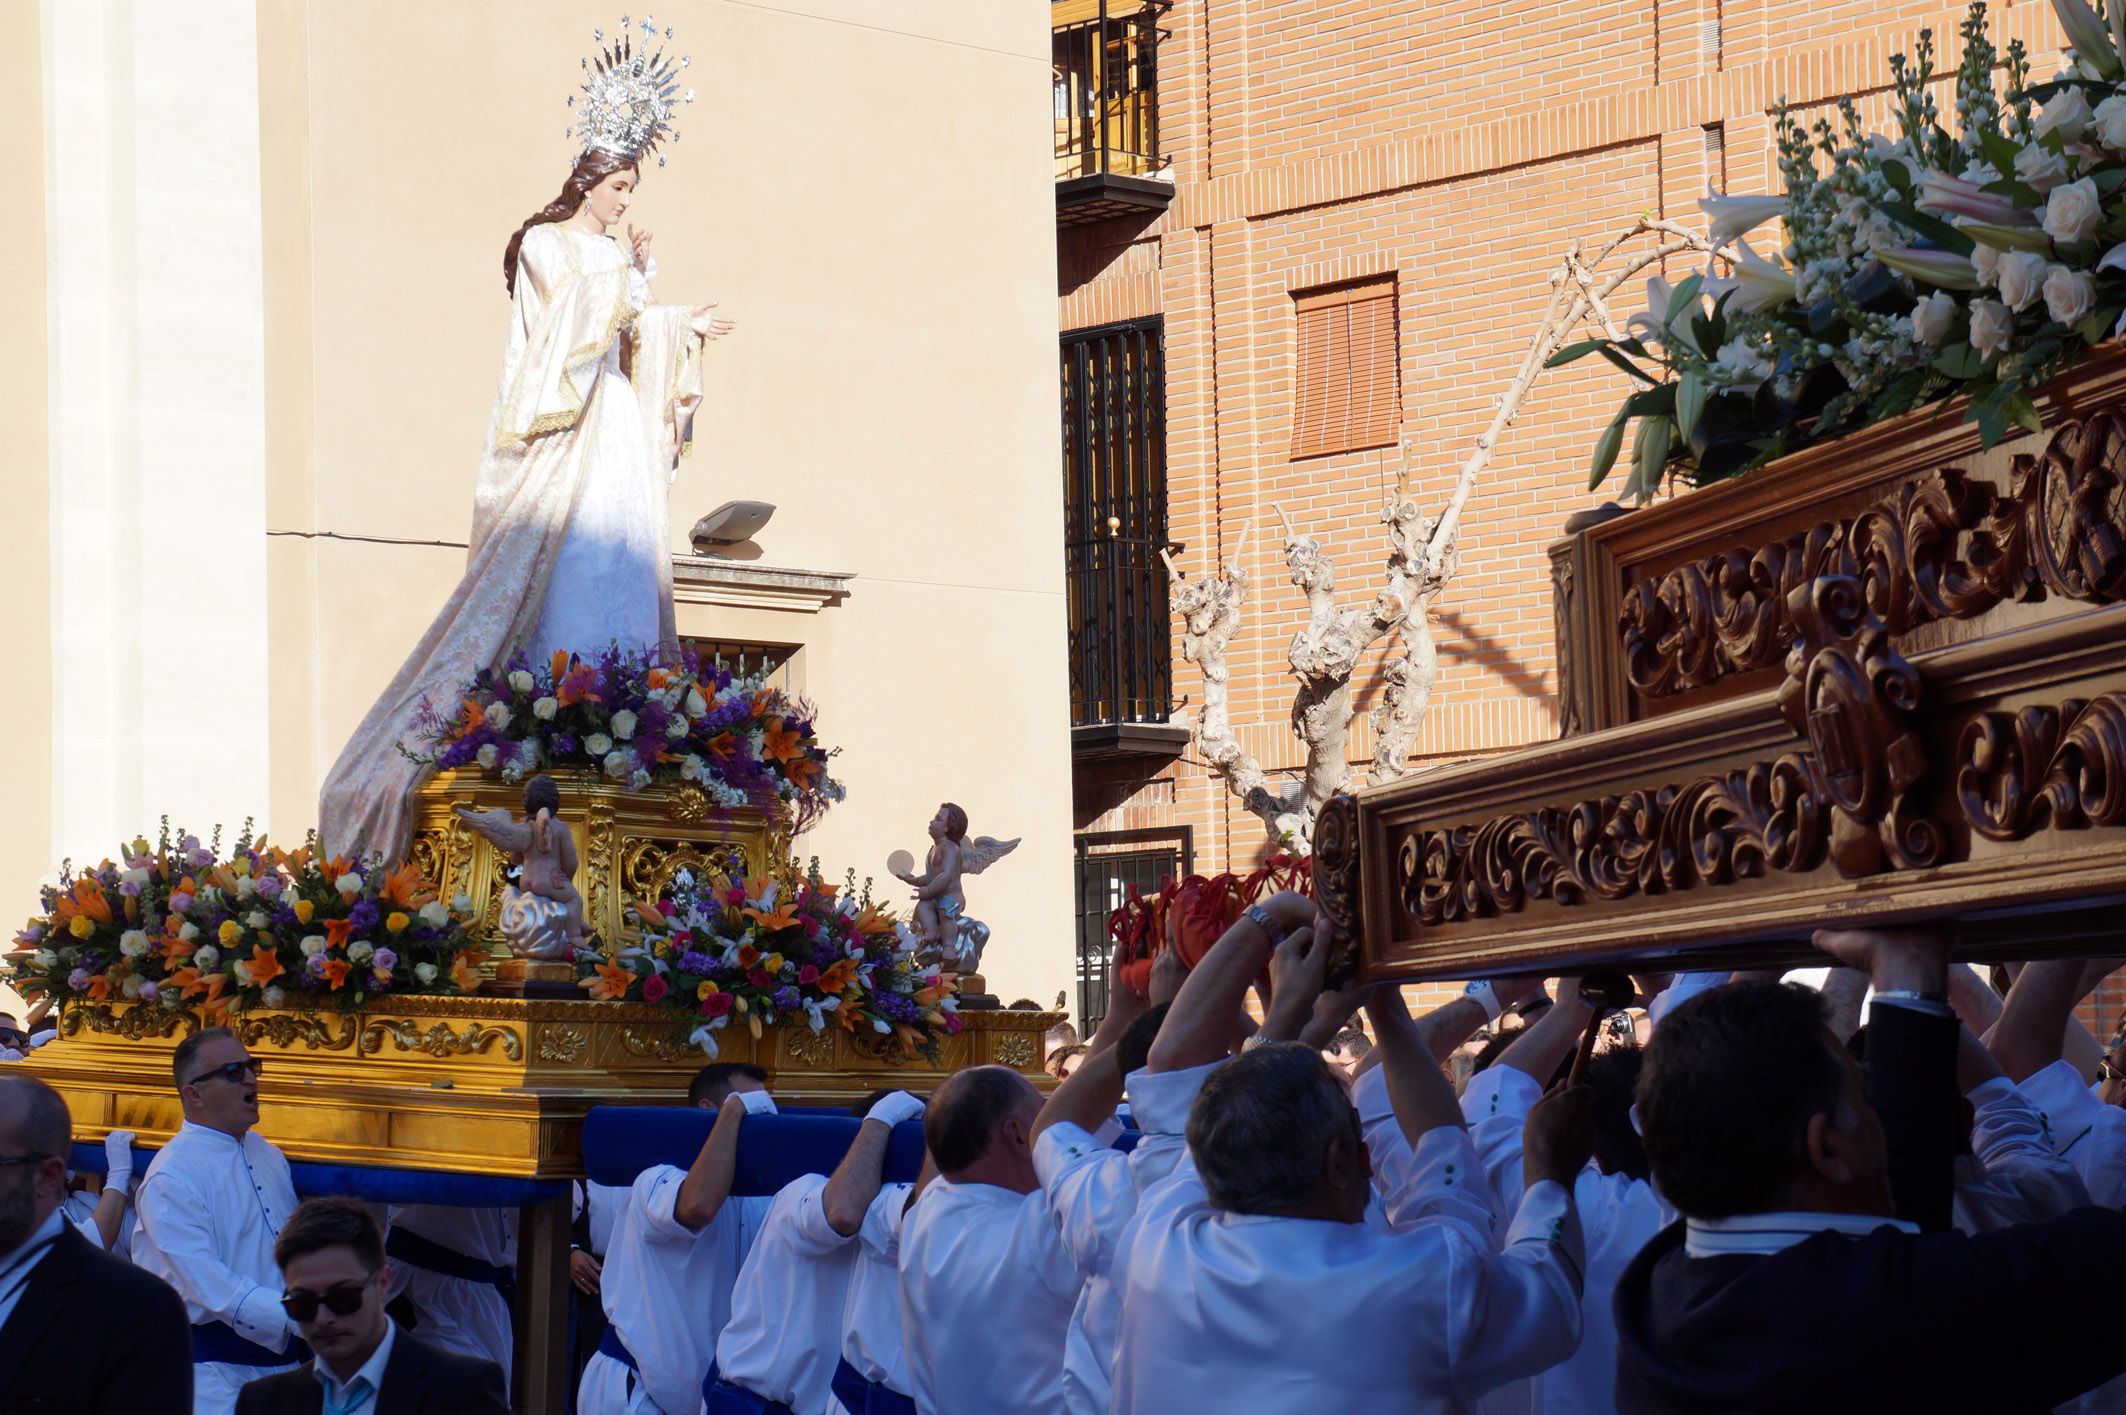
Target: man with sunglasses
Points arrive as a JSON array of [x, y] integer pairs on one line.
[[331, 1256], [80, 1331], [208, 1210]]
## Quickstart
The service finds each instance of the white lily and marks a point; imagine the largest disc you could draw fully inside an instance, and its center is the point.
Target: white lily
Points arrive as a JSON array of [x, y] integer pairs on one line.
[[1647, 326], [1760, 283], [2087, 34], [704, 1036], [818, 1009], [1736, 216]]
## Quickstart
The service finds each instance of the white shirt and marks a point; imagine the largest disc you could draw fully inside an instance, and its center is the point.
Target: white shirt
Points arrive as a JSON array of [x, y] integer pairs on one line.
[[1226, 1311], [210, 1207], [1776, 1232], [2085, 1132], [1091, 1192], [986, 1295], [667, 1287], [16, 1267], [784, 1335], [2011, 1175], [871, 1317], [371, 1372], [1619, 1215], [605, 1201], [485, 1235]]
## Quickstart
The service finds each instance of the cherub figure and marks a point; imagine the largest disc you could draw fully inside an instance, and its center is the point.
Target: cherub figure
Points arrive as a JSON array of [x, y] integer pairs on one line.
[[940, 905], [542, 913]]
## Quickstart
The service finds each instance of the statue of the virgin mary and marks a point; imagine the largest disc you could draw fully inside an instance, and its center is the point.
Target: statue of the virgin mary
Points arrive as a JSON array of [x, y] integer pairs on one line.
[[568, 536]]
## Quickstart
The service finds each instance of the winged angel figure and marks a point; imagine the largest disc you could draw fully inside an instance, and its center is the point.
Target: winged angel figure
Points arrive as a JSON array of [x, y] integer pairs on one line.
[[542, 913], [940, 906]]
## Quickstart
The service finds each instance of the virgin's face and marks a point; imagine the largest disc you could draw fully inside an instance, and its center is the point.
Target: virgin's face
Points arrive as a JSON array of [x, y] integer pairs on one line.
[[609, 200]]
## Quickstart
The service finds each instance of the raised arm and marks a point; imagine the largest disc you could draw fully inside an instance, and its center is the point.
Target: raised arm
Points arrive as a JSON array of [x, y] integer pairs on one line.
[[708, 1181], [1543, 1047], [1092, 1092], [2033, 1021], [855, 1181], [1199, 1029], [1418, 1091]]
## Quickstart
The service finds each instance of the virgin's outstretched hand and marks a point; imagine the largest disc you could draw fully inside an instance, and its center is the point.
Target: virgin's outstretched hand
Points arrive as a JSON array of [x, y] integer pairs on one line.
[[709, 325]]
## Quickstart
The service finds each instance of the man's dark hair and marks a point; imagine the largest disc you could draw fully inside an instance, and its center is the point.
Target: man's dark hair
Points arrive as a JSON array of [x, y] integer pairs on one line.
[[541, 793], [318, 1224], [863, 1107], [1135, 1049], [964, 1114], [1261, 1128], [1729, 1084], [712, 1083], [1613, 1076], [47, 1128], [1352, 1042], [181, 1059], [1063, 1034]]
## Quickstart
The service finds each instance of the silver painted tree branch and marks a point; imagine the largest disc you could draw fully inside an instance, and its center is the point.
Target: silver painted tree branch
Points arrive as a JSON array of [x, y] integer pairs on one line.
[[1423, 555]]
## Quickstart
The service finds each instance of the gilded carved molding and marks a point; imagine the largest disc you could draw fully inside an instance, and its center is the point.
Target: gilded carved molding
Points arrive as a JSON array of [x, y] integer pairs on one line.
[[1941, 545], [2063, 766]]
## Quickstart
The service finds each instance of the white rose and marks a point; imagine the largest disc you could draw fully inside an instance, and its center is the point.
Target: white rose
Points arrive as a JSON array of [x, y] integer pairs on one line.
[[44, 958], [520, 681], [2040, 169], [675, 726], [206, 956], [360, 951], [2066, 111], [349, 884], [597, 744], [131, 986], [696, 704], [136, 878], [2022, 278], [256, 919], [692, 768], [623, 724], [1992, 327], [487, 756], [245, 886], [1986, 261], [314, 944], [132, 943], [545, 708], [2069, 294], [616, 764], [426, 972], [2072, 211], [435, 915], [274, 997], [1933, 317], [2110, 119], [188, 932], [461, 904]]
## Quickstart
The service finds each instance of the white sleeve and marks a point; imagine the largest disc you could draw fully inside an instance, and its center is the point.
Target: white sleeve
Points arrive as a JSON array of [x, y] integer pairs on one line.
[[174, 1216], [1496, 1105], [1443, 1180], [653, 1203], [1159, 1101], [1088, 1191], [2023, 1179], [801, 1208], [1681, 989], [881, 1231], [1516, 1312], [2084, 1131]]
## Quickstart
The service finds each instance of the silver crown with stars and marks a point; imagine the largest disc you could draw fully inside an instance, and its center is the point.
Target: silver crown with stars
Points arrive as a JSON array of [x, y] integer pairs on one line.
[[630, 93]]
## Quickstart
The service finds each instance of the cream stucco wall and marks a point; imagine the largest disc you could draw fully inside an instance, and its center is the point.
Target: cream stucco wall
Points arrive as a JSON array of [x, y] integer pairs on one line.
[[865, 189]]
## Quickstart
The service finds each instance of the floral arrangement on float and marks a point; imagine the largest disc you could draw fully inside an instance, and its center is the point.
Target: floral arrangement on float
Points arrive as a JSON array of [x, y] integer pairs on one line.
[[639, 718], [1932, 265], [180, 925], [797, 953]]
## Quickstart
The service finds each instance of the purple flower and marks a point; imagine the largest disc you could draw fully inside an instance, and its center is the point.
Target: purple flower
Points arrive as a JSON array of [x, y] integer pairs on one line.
[[785, 999], [78, 979], [564, 745], [150, 990], [696, 963], [180, 902], [31, 934], [384, 960], [129, 889], [894, 1007], [363, 916], [269, 887], [315, 965]]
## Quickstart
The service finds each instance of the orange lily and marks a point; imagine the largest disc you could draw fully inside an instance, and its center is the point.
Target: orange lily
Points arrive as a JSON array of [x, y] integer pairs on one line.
[[837, 975], [784, 915], [649, 916], [471, 715], [929, 997], [748, 955], [802, 770], [337, 931], [187, 982], [612, 981], [337, 969], [86, 899], [722, 746], [465, 969], [782, 743], [99, 987], [557, 666], [408, 888], [659, 677], [333, 868], [265, 965], [576, 687], [873, 920]]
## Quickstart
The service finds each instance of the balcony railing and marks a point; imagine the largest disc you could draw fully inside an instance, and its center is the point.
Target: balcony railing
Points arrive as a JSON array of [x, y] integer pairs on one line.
[[1106, 68]]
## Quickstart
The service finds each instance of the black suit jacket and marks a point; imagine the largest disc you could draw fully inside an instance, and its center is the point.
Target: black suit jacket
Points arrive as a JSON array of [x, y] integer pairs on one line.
[[419, 1379], [91, 1335], [2014, 1320]]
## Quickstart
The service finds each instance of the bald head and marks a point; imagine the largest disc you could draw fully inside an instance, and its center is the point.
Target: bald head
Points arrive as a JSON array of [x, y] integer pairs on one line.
[[979, 1128], [33, 1122], [35, 1114]]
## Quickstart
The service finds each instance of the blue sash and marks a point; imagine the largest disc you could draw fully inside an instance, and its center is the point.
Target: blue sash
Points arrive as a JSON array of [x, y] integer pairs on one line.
[[723, 1397], [409, 1247], [219, 1343], [611, 1345], [860, 1396]]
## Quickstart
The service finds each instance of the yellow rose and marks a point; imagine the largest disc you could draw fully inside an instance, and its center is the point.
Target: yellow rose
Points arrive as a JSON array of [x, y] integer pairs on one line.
[[701, 994], [304, 909], [773, 963], [229, 933], [397, 922], [81, 926]]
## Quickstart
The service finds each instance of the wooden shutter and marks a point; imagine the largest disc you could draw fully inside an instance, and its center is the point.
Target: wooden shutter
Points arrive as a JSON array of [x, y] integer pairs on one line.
[[1348, 393]]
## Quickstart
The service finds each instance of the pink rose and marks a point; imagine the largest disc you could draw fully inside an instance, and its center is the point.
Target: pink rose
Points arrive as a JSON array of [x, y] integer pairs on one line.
[[716, 1004], [807, 975], [759, 978], [654, 988]]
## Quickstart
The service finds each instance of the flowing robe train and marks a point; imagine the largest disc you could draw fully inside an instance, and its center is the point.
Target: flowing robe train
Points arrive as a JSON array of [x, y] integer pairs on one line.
[[568, 434]]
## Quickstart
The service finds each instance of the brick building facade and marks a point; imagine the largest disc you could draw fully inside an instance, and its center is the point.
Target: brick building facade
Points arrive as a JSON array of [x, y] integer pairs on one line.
[[1451, 152]]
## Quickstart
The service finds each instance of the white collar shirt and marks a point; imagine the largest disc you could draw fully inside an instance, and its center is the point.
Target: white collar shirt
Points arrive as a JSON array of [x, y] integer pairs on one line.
[[2011, 1175], [605, 1201], [358, 1393], [784, 1335], [1091, 1192], [16, 1267], [2084, 1131], [1226, 1311], [987, 1289], [667, 1287], [871, 1315], [210, 1207], [1777, 1231]]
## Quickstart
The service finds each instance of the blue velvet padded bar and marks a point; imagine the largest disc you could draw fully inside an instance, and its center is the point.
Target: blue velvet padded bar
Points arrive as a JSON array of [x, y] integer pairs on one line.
[[619, 1142], [371, 1182]]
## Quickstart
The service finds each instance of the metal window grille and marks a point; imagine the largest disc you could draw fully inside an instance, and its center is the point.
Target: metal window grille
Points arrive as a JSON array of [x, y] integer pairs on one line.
[[1110, 865], [1114, 508], [1105, 72]]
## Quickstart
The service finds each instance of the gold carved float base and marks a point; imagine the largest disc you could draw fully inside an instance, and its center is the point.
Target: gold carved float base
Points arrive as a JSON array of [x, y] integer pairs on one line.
[[479, 1085]]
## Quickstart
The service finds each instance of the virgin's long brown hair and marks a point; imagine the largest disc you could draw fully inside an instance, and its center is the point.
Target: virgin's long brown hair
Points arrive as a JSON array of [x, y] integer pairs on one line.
[[591, 169]]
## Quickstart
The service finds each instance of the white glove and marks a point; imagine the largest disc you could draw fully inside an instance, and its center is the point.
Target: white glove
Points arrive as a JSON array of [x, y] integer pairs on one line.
[[891, 1110], [1486, 997], [118, 1154], [756, 1102]]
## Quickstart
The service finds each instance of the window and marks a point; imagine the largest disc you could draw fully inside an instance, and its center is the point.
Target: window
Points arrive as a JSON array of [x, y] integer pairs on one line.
[[768, 662], [1349, 391], [1114, 516], [1111, 864]]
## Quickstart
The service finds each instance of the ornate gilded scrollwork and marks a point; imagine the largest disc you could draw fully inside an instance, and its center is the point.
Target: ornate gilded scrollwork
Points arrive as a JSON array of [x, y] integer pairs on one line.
[[657, 1043], [285, 1030], [648, 867], [687, 803], [803, 1045], [134, 1024], [2066, 765], [885, 1048], [565, 1045], [426, 852], [600, 910], [438, 1040], [1015, 1049], [1337, 882]]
